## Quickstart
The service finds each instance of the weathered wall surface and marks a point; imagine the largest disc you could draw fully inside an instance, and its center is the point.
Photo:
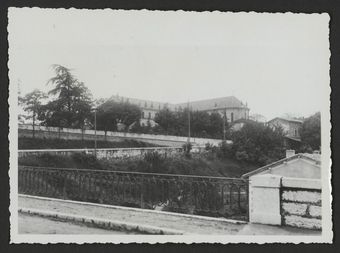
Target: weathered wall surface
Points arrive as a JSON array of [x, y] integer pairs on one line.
[[77, 134], [264, 199], [278, 200], [301, 206], [297, 168], [114, 153]]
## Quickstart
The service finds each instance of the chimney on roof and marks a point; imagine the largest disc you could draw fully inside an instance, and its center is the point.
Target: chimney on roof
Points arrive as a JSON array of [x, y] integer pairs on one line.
[[290, 153]]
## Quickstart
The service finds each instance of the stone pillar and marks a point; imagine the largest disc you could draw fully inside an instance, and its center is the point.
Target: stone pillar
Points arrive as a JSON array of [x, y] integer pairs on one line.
[[290, 153], [264, 199]]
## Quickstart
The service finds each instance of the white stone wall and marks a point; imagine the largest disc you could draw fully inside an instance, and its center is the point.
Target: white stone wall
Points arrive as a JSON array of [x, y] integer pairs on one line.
[[301, 203], [115, 153], [264, 199], [278, 200], [76, 134]]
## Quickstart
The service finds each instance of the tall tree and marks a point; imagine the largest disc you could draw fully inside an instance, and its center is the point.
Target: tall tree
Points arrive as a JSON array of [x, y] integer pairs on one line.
[[32, 103], [257, 143], [82, 105], [110, 113], [311, 132], [216, 125], [21, 117], [71, 105], [202, 124], [166, 120]]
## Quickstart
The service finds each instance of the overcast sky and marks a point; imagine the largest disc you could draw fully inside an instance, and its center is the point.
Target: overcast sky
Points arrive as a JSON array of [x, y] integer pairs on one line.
[[277, 63]]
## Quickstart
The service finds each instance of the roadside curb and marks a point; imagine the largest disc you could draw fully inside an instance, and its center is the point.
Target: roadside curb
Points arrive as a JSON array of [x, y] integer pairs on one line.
[[102, 223], [190, 216]]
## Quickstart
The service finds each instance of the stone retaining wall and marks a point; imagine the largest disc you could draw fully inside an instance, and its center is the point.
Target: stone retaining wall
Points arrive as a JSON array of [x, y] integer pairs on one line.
[[113, 153], [301, 205], [77, 134], [278, 200]]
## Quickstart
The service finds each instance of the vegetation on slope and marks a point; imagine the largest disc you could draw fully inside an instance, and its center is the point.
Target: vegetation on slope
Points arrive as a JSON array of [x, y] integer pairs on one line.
[[202, 165], [36, 143]]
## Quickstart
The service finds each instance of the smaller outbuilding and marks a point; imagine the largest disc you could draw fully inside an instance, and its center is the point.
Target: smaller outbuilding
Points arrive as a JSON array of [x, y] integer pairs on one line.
[[291, 130], [293, 165], [287, 192]]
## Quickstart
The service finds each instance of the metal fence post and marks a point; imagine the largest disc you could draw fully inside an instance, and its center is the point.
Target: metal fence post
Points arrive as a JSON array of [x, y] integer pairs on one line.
[[64, 187], [142, 205]]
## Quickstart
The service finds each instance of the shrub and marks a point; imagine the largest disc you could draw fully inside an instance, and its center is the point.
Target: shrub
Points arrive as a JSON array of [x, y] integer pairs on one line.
[[224, 150], [208, 147], [187, 148], [311, 133], [86, 161], [241, 155], [258, 144], [153, 161]]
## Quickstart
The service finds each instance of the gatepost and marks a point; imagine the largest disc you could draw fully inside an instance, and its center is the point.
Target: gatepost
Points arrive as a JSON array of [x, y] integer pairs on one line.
[[264, 199]]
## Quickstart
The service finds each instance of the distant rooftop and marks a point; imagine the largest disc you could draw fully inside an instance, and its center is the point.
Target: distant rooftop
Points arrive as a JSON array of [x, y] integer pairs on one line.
[[200, 105], [215, 103], [287, 119], [144, 103]]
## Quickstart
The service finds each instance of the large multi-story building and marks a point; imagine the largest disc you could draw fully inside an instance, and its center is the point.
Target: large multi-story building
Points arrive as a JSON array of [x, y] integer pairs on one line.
[[230, 106]]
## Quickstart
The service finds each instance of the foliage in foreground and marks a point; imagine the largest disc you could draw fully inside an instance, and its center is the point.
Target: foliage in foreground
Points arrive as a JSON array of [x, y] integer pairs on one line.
[[177, 196]]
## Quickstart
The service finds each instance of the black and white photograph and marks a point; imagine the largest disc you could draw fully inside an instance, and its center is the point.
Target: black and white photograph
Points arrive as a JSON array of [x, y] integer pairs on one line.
[[169, 126]]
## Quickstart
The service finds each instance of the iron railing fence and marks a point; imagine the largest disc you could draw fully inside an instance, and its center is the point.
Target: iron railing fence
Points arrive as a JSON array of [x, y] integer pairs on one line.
[[210, 196]]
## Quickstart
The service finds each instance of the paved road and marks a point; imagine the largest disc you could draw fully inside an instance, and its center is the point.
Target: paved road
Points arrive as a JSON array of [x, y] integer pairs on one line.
[[37, 225], [187, 224]]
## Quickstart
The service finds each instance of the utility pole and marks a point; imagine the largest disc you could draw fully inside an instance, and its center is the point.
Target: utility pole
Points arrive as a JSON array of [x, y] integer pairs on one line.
[[224, 123], [95, 132], [188, 124]]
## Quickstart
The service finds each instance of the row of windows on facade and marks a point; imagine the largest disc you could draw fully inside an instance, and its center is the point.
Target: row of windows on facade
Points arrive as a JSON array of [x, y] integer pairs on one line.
[[145, 103], [159, 106], [231, 116]]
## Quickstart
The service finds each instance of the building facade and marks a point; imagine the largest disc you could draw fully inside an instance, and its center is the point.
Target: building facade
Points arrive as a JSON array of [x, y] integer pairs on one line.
[[230, 106], [291, 127]]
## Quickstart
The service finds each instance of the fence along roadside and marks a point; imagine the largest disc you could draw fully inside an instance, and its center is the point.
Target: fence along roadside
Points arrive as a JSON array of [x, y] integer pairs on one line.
[[201, 195]]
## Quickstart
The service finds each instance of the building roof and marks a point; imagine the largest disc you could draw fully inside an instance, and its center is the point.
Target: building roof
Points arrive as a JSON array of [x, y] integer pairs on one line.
[[200, 105], [306, 156], [258, 117], [215, 103], [293, 138], [286, 119], [143, 103]]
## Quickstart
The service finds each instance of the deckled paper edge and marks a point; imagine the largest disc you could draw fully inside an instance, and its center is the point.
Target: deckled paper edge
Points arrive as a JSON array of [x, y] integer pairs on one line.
[[327, 233]]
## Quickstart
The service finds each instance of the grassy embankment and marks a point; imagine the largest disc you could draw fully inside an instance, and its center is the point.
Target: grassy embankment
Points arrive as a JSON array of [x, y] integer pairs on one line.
[[37, 143], [206, 164], [170, 165]]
